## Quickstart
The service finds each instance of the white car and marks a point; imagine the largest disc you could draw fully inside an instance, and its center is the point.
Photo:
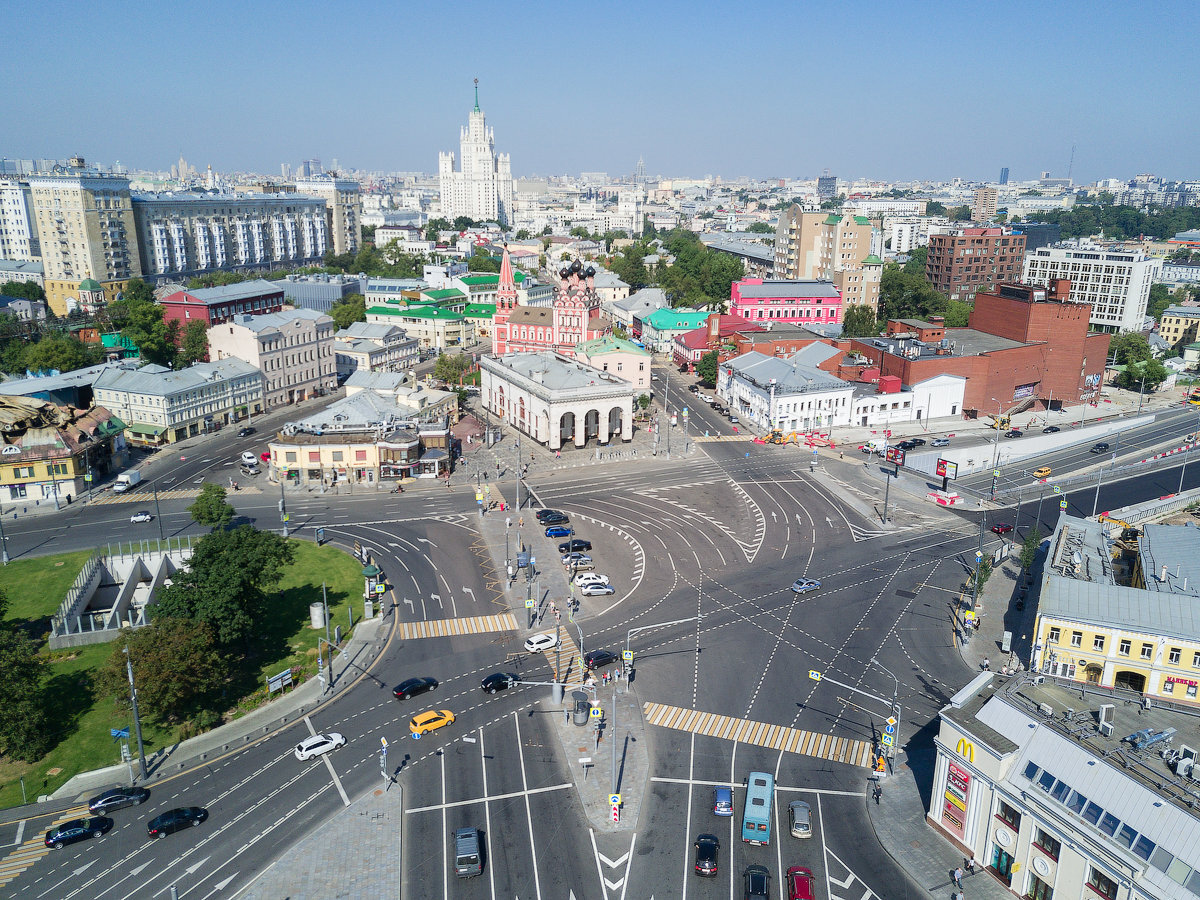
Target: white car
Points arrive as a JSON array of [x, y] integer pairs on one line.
[[249, 458], [318, 744], [586, 578], [141, 516], [538, 643], [593, 589]]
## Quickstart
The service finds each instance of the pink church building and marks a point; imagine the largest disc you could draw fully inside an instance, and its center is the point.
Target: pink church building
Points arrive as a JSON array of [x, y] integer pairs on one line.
[[803, 301], [573, 317]]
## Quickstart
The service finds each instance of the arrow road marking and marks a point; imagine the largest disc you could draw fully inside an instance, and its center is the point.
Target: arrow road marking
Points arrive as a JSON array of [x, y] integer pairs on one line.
[[191, 870], [220, 886], [437, 597]]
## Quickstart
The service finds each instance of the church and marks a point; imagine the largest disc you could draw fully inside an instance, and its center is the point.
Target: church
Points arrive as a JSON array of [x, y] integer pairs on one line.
[[572, 318]]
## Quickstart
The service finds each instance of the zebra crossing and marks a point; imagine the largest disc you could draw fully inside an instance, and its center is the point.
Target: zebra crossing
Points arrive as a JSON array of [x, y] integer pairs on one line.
[[762, 734], [456, 627], [112, 499], [31, 850]]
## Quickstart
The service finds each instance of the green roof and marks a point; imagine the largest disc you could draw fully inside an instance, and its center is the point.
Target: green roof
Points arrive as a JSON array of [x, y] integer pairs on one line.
[[418, 312], [665, 319], [479, 310], [490, 277], [872, 260], [610, 344], [445, 294], [152, 430], [832, 219], [90, 284], [116, 339], [862, 220]]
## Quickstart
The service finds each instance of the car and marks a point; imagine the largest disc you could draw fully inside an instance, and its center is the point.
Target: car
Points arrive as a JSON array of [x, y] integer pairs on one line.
[[555, 518], [693, 388], [575, 559], [499, 681], [574, 546], [1043, 472], [538, 643], [1099, 448], [118, 798], [584, 578], [249, 458], [733, 420], [597, 590], [558, 531], [800, 819], [543, 514], [940, 442], [249, 471], [707, 846], [800, 883], [1051, 429], [430, 720], [246, 431], [1014, 433], [906, 446], [411, 687], [598, 659], [758, 882], [917, 442], [265, 456], [77, 830], [804, 585], [1001, 528], [174, 820], [141, 516], [319, 744], [723, 801]]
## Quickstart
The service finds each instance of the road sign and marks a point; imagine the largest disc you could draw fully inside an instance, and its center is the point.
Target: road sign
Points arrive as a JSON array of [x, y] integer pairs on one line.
[[1057, 489], [383, 741], [814, 674], [380, 588], [978, 555], [530, 603], [995, 473], [416, 735], [579, 662], [891, 720], [614, 799], [119, 733], [87, 477], [1062, 504], [887, 740], [627, 655], [616, 813], [287, 517], [596, 712]]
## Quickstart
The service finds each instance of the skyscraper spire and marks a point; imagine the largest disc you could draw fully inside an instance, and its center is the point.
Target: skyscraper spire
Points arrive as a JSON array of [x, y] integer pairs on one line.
[[476, 95]]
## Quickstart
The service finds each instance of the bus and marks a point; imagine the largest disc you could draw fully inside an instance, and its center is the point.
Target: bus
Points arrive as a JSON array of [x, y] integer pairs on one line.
[[756, 821]]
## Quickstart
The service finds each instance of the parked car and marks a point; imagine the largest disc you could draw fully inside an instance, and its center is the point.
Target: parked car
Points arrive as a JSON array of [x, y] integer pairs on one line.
[[693, 388], [597, 590], [499, 681], [77, 830], [722, 801], [1051, 429], [318, 745], [598, 659], [118, 798], [804, 585], [707, 846], [800, 883], [1014, 433], [411, 687], [141, 515], [1002, 528], [940, 442], [246, 431], [542, 514], [733, 420], [574, 546], [249, 458], [553, 517], [1099, 448], [539, 642], [586, 578], [575, 559], [174, 820], [1043, 472], [556, 531], [430, 720], [758, 882], [917, 442], [906, 446]]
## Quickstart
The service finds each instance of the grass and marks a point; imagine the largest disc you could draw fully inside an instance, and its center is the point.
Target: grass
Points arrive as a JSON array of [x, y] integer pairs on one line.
[[36, 587]]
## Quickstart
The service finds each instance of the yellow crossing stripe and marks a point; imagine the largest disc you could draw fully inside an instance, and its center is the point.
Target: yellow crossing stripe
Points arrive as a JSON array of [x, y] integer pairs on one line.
[[34, 848], [172, 494], [763, 734], [451, 627]]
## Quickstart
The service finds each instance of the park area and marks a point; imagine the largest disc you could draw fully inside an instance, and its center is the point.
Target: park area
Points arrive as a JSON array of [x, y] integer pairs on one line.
[[80, 699]]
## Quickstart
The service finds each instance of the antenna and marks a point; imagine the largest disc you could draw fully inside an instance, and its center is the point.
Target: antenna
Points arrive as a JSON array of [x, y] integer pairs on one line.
[[1071, 164]]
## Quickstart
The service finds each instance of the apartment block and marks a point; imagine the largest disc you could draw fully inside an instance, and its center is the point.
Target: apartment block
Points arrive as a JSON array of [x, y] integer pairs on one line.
[[1180, 326], [18, 233], [983, 207], [293, 349], [967, 260], [1113, 278], [830, 247], [343, 209]]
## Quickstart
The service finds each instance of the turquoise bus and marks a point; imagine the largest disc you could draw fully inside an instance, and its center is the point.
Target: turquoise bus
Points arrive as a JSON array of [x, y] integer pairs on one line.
[[756, 822]]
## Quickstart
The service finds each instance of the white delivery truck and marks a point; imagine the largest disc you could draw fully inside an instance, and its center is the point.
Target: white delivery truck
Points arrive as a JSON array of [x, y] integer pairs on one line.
[[876, 445], [126, 480]]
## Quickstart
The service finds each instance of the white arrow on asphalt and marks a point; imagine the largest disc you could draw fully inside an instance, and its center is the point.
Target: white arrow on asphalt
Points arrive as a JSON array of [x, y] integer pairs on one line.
[[139, 868], [220, 886], [437, 597], [613, 885], [611, 863], [828, 521], [469, 591], [198, 865], [427, 541], [87, 866]]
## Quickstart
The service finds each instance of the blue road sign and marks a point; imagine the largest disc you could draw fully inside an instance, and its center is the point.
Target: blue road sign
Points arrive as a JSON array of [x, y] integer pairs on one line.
[[118, 733]]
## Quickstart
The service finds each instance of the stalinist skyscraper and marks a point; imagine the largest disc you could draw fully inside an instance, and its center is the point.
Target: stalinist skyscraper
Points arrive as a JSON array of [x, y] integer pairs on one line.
[[483, 189]]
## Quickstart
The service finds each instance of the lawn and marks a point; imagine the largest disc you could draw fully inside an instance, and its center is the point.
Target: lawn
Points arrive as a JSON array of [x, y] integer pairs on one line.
[[37, 586]]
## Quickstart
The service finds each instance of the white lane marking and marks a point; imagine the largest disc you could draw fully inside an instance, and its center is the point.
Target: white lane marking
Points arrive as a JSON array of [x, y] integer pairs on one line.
[[687, 823], [445, 839], [486, 799], [20, 833], [487, 811], [537, 882]]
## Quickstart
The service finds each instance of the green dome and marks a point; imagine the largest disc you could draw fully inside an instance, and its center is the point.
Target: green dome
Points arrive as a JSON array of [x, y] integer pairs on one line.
[[90, 284]]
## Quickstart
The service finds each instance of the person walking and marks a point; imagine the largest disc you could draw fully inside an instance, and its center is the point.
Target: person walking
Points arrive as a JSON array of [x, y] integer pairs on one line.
[[958, 874], [971, 866]]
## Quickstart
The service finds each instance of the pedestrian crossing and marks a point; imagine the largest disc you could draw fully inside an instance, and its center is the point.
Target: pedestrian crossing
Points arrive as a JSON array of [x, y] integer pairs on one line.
[[30, 851], [142, 497], [454, 627], [762, 734]]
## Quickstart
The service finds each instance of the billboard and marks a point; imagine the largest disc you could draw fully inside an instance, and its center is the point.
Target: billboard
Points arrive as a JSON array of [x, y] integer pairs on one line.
[[947, 468]]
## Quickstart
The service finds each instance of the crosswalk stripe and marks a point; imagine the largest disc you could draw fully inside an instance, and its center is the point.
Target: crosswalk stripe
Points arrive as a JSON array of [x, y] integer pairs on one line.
[[454, 627], [763, 734]]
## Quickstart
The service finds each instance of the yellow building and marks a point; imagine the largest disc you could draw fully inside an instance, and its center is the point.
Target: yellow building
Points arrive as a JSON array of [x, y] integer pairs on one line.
[[1119, 617], [1180, 326], [832, 247]]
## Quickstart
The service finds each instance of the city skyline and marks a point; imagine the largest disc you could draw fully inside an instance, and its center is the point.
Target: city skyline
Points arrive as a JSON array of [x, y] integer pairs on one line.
[[787, 94]]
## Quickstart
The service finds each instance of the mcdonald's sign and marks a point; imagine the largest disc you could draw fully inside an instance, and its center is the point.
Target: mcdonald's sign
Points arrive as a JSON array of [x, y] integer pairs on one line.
[[966, 750]]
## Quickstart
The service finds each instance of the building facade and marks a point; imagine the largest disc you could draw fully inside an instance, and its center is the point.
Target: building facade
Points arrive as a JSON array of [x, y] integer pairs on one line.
[[293, 349], [373, 348], [215, 305], [800, 301], [482, 188], [783, 393], [830, 247], [967, 260], [21, 270], [343, 209], [983, 206], [619, 357], [1114, 279], [571, 318], [18, 231], [1180, 326], [434, 328]]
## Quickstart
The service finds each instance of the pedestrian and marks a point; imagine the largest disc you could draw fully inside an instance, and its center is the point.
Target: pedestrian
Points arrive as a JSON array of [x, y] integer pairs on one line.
[[958, 874], [877, 793], [971, 866], [567, 715], [618, 674], [558, 454]]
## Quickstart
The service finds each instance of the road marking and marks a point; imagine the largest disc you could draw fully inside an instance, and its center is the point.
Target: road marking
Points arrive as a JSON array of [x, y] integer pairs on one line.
[[700, 782], [488, 798], [537, 882], [454, 627], [762, 734], [20, 833], [487, 810]]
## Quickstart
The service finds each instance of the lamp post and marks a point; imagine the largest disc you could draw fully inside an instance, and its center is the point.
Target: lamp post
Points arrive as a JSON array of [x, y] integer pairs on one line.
[[666, 426], [282, 509], [996, 445], [1186, 454], [157, 511], [137, 722], [3, 543], [895, 706]]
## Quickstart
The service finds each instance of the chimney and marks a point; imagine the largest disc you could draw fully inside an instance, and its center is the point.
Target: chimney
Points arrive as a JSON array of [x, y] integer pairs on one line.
[[714, 327], [1060, 290]]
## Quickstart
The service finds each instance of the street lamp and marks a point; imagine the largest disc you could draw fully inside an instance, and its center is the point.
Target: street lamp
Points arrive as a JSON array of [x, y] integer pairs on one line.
[[137, 722], [895, 705], [996, 445]]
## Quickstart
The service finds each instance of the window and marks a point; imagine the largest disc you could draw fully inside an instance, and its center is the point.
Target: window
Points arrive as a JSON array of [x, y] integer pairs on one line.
[[1047, 843], [1076, 802], [1038, 889], [1126, 836], [1125, 645], [1055, 634], [1102, 884], [1092, 813], [1147, 651], [314, 456], [1076, 638], [1031, 770], [1174, 655], [1009, 816], [1060, 791], [1109, 824], [1046, 782], [1098, 643]]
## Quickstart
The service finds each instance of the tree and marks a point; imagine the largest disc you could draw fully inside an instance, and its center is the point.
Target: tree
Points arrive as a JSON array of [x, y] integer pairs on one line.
[[630, 268], [916, 261], [761, 228], [904, 295], [706, 368], [643, 402], [225, 582], [1160, 301], [1029, 549], [1143, 375], [28, 290], [211, 509], [58, 351], [436, 226], [350, 309], [958, 313], [481, 262], [859, 321], [523, 234], [194, 346], [959, 213], [450, 367], [933, 208], [649, 232], [176, 664], [1129, 347], [25, 732], [138, 317]]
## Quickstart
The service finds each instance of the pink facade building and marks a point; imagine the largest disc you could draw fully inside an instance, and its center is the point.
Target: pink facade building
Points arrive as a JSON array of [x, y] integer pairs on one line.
[[802, 301]]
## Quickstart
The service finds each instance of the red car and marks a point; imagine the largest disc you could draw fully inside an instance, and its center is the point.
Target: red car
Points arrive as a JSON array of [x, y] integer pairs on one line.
[[800, 883], [1002, 528]]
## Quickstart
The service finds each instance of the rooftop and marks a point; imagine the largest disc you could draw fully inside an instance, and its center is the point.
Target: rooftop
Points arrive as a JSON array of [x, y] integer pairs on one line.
[[276, 320], [665, 319], [804, 288], [556, 372], [159, 382], [610, 344], [646, 298], [790, 375], [415, 312], [245, 290], [1183, 312]]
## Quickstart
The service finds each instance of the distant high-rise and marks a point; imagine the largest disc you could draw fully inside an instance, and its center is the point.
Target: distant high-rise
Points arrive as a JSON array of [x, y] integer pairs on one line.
[[18, 230], [984, 207], [482, 189], [827, 186], [830, 247], [1004, 175], [310, 167], [639, 174], [343, 200]]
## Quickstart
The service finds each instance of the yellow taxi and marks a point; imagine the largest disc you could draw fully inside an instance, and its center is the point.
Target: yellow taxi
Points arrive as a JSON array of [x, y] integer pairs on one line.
[[1043, 472], [430, 720]]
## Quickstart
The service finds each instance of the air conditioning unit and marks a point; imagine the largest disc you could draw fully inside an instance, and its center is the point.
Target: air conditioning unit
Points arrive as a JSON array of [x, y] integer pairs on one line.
[[1106, 729], [1046, 710], [1039, 679], [1184, 767]]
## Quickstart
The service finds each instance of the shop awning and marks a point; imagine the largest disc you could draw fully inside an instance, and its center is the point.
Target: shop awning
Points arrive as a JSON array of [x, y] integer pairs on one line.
[[148, 430]]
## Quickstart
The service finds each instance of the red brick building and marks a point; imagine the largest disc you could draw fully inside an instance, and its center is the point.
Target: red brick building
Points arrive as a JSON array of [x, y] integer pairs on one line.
[[217, 305], [974, 259], [1025, 347], [688, 347]]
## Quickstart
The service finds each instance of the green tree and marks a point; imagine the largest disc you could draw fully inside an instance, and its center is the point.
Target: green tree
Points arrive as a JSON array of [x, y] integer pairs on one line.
[[350, 309], [1129, 347], [834, 202], [28, 290], [933, 208], [463, 223], [904, 295], [138, 291], [959, 213], [706, 368], [761, 228], [916, 261], [194, 346], [1160, 301], [859, 321], [523, 234], [643, 402], [649, 232], [450, 367], [630, 268], [958, 313], [138, 317], [1143, 375], [435, 226], [226, 581], [481, 262], [58, 351], [210, 508], [177, 664], [24, 727], [1029, 549]]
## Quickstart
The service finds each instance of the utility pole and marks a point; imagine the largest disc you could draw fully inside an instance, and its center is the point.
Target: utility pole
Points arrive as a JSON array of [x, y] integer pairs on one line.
[[282, 509], [137, 722], [666, 426], [978, 566], [4, 543], [887, 489], [157, 511]]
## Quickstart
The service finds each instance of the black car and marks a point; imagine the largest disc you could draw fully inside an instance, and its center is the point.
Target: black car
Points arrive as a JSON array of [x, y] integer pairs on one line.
[[118, 798], [707, 846], [77, 830], [174, 820], [543, 513], [906, 446], [1014, 433], [1050, 429], [576, 545], [1099, 448], [499, 681], [413, 686], [554, 518], [758, 882], [247, 431], [693, 389], [917, 442], [597, 659]]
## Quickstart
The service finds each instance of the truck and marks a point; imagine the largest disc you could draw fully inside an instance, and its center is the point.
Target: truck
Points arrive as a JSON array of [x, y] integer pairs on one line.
[[127, 480], [875, 445]]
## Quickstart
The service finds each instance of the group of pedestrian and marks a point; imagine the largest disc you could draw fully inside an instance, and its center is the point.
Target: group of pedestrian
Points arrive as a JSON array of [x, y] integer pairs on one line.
[[957, 875]]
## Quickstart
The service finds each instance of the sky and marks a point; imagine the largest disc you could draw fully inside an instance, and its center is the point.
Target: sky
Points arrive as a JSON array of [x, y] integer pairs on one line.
[[896, 91]]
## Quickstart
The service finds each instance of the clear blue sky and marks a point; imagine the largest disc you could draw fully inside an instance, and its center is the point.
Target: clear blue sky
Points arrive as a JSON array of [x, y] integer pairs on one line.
[[895, 90]]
